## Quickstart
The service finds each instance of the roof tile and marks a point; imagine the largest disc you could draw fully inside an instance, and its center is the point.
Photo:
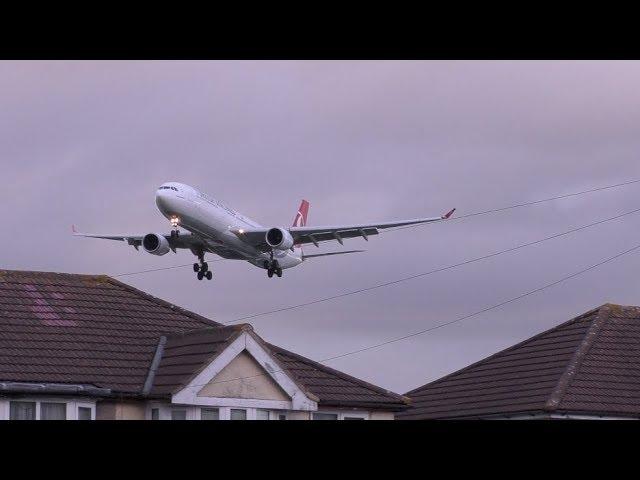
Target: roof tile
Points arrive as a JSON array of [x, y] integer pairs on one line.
[[588, 365]]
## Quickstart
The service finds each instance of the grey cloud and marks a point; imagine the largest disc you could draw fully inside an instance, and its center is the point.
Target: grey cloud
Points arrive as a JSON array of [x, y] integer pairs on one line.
[[88, 143]]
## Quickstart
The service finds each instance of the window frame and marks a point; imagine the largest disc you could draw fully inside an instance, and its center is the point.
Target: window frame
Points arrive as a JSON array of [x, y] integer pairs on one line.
[[246, 413], [355, 414], [71, 403], [65, 408], [179, 409], [342, 414], [36, 408], [86, 408], [194, 412], [210, 408], [268, 412], [319, 412]]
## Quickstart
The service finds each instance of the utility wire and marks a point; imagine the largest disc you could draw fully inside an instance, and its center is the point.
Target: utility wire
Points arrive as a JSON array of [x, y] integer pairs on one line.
[[163, 268], [456, 320], [430, 272], [457, 217], [526, 204]]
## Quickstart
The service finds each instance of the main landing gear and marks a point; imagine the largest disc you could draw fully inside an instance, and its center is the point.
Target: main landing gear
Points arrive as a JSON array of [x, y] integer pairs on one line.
[[202, 269], [272, 267]]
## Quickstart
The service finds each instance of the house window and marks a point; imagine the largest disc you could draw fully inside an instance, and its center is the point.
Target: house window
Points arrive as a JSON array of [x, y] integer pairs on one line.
[[84, 413], [353, 418], [238, 414], [325, 416], [53, 411], [155, 414], [209, 414], [178, 414], [22, 411], [282, 416], [262, 414]]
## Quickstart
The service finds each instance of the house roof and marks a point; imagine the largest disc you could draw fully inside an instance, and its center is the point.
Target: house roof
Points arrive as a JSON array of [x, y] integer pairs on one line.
[[187, 354], [82, 329], [95, 330], [335, 388], [589, 365]]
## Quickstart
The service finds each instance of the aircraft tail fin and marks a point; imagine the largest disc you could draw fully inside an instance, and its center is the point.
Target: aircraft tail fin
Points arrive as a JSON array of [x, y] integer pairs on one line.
[[300, 219]]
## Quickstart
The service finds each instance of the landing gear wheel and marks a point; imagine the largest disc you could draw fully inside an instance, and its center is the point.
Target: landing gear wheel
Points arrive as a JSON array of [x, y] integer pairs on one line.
[[279, 272], [196, 267], [200, 275], [204, 267], [209, 275], [270, 273]]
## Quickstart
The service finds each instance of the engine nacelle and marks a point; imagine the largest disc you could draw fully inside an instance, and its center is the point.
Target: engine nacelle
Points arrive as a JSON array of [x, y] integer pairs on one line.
[[279, 238], [155, 244]]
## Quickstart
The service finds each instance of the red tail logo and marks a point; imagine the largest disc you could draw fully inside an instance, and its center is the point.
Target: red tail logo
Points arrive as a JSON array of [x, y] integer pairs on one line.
[[300, 219]]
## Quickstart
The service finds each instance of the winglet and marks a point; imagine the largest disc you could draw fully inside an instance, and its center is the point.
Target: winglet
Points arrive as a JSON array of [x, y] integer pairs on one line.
[[448, 214], [73, 229]]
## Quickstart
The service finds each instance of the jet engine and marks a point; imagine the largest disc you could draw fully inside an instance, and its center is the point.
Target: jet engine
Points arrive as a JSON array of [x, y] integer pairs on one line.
[[155, 244], [279, 238]]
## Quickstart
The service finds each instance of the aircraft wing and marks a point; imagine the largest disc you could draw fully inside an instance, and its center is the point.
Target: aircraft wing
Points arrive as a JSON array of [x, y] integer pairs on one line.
[[184, 240], [330, 253], [315, 235]]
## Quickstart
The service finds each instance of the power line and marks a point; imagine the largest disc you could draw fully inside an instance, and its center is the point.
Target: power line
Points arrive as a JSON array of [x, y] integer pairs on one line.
[[458, 217], [526, 204], [163, 268], [430, 272], [484, 310], [456, 320]]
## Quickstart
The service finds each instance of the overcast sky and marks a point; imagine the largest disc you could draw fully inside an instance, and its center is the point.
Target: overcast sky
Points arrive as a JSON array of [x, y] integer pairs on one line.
[[89, 143]]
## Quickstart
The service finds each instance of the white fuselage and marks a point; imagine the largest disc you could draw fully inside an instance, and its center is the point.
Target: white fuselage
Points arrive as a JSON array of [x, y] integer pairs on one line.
[[213, 221]]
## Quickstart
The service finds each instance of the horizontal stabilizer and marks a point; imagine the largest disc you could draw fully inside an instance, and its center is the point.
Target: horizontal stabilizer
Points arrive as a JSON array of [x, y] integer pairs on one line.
[[331, 253]]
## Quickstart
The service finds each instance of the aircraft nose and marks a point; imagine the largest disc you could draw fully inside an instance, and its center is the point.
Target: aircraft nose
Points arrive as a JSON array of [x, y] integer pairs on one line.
[[163, 200]]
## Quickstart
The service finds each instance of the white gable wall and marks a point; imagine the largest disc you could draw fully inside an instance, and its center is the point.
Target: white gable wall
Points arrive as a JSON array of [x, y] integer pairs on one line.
[[243, 377], [265, 377]]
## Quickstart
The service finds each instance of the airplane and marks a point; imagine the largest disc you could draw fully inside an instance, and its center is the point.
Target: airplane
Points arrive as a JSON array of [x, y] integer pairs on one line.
[[216, 228]]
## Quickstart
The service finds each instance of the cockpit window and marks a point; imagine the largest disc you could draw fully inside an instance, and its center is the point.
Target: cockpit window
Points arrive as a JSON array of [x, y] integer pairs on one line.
[[168, 188]]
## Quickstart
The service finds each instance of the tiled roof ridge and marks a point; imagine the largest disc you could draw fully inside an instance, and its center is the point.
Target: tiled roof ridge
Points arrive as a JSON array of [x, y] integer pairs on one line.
[[43, 272], [508, 349], [215, 327], [153, 366], [402, 398], [604, 313]]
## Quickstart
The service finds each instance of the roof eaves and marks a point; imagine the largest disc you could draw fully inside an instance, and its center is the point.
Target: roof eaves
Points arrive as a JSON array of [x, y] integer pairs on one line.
[[54, 388], [358, 404]]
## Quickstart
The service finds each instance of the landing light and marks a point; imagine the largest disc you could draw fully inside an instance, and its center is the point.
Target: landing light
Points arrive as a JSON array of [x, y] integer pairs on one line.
[[241, 231]]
